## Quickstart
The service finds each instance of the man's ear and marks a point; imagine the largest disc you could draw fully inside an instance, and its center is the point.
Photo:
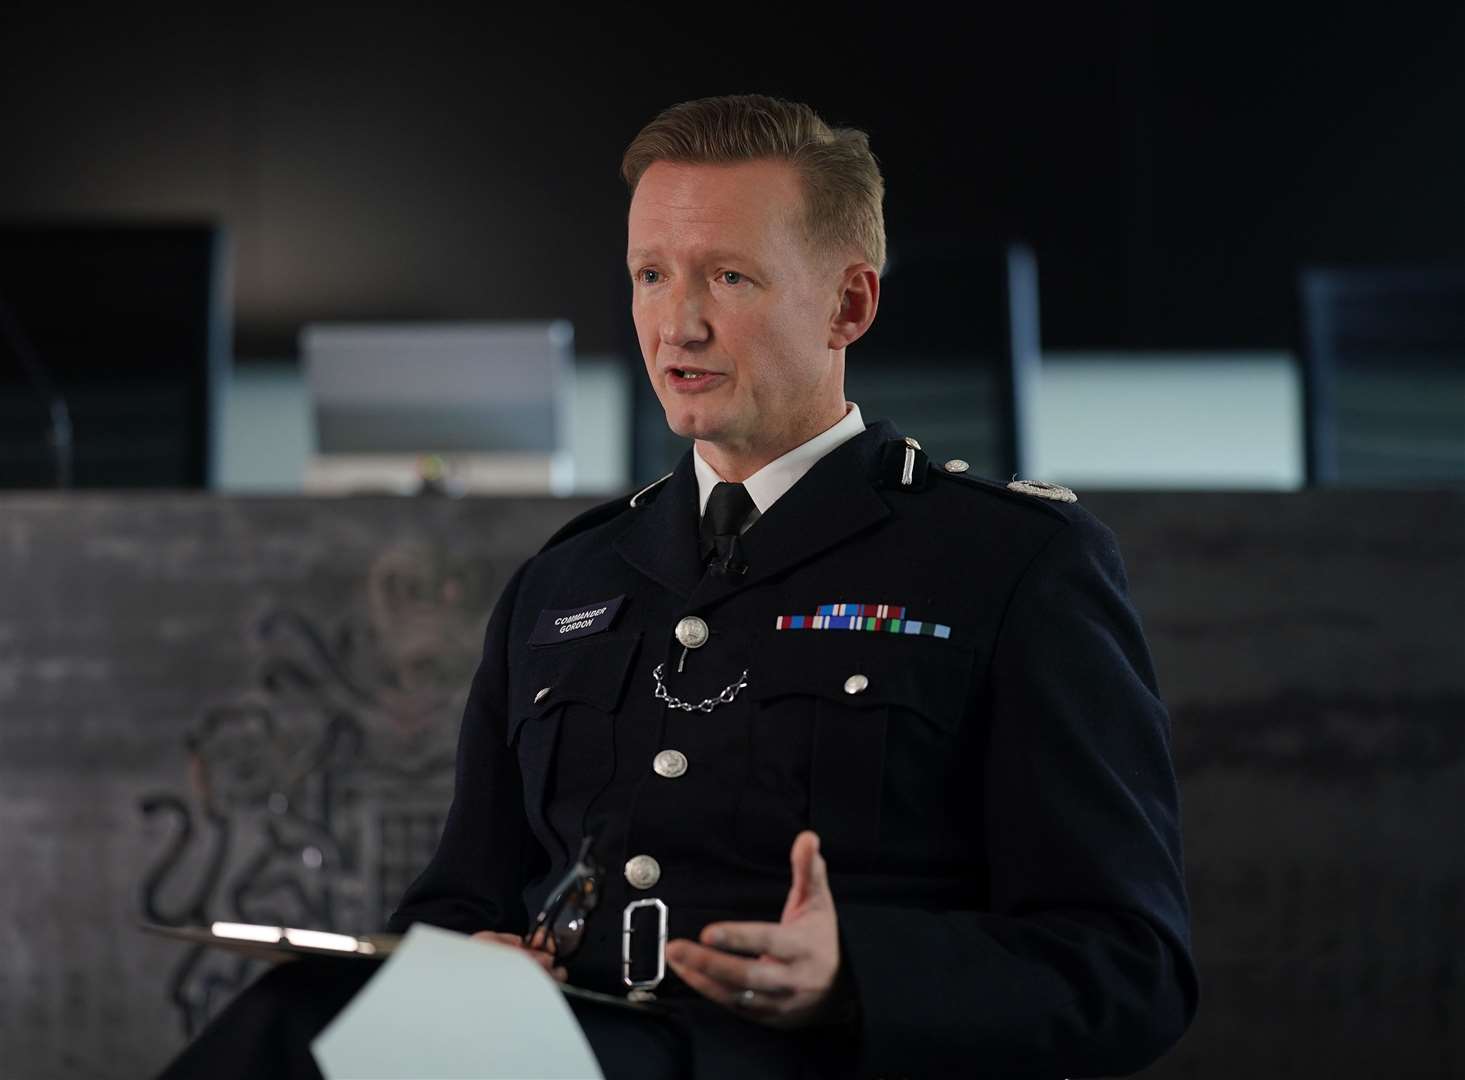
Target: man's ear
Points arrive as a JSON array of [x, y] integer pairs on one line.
[[859, 297]]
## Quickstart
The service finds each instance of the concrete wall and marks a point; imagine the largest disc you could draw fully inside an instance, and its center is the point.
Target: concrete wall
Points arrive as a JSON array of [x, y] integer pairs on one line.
[[246, 707]]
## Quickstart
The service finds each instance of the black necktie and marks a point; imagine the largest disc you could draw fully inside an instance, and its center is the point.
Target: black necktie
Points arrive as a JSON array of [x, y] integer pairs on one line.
[[728, 508]]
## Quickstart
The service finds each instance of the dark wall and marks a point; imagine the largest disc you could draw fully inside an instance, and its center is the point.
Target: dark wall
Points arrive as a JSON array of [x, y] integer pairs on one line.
[[246, 708], [1171, 164]]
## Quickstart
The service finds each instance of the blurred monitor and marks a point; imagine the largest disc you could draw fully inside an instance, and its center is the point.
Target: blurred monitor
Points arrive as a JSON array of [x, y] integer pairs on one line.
[[1384, 375], [1169, 420], [129, 326], [485, 401]]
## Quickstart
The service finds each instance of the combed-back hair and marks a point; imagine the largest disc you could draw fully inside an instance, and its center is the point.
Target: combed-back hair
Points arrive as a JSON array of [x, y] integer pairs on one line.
[[843, 188]]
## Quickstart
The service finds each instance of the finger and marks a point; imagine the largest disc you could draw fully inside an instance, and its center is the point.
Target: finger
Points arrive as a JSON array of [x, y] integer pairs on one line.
[[755, 939], [543, 959], [798, 857], [560, 974], [811, 872], [815, 870], [497, 937], [765, 1005], [494, 937], [514, 941], [819, 873], [705, 985], [736, 973]]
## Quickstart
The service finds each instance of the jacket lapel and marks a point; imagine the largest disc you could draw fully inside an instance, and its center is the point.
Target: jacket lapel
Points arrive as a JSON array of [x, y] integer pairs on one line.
[[662, 540], [831, 503]]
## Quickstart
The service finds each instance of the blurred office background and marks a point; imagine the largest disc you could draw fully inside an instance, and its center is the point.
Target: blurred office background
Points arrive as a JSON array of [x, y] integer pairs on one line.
[[1179, 183], [1205, 265]]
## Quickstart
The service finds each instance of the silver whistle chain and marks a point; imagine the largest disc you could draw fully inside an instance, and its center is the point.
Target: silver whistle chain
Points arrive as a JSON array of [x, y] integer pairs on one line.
[[725, 698]]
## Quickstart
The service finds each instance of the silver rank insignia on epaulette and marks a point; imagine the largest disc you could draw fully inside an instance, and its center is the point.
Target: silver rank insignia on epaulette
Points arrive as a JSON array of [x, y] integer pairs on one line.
[[1044, 490]]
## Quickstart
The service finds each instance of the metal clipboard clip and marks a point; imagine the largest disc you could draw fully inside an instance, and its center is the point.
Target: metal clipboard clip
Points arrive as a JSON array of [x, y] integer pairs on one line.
[[643, 989]]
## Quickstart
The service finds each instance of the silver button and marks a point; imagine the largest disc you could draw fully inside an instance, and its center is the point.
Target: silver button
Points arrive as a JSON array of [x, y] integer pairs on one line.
[[692, 632], [670, 764], [956, 465], [856, 684], [544, 693], [642, 871]]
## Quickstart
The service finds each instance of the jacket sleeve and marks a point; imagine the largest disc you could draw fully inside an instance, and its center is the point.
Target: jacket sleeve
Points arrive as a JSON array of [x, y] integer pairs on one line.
[[1079, 964], [486, 853]]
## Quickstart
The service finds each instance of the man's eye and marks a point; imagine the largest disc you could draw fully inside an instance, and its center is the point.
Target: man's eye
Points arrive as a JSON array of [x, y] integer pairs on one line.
[[648, 277], [731, 277]]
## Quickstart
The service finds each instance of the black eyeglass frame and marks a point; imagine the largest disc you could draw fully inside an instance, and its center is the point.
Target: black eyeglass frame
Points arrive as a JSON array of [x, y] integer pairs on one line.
[[569, 905]]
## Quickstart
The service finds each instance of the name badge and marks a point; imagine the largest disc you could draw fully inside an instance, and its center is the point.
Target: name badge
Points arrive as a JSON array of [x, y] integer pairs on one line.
[[569, 623]]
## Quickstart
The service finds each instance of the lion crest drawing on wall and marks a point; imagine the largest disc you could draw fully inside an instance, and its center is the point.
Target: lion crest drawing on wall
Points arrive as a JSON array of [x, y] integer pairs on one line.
[[313, 799]]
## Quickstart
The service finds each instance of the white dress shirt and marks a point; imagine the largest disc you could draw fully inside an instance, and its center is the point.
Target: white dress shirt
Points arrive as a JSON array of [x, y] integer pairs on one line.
[[768, 484]]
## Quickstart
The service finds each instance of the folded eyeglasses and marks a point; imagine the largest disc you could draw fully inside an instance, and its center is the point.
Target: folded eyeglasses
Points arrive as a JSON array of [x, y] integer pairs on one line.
[[560, 926]]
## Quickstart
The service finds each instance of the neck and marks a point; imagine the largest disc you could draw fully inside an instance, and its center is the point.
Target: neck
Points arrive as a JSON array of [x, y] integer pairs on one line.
[[734, 462]]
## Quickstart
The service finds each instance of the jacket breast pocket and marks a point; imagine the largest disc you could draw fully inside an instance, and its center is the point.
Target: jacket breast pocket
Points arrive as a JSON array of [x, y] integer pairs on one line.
[[562, 723], [833, 713]]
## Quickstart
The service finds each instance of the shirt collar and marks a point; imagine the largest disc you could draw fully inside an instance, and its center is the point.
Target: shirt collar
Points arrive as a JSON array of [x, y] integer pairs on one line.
[[768, 484]]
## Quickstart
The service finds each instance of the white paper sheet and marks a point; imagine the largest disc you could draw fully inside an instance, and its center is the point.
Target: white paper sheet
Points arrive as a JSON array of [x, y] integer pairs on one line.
[[447, 1007]]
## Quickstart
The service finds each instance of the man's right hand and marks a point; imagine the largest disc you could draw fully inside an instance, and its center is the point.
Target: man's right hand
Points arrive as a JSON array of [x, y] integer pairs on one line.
[[543, 956]]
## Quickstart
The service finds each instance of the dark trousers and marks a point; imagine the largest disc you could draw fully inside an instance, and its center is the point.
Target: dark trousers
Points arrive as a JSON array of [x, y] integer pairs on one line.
[[267, 1030]]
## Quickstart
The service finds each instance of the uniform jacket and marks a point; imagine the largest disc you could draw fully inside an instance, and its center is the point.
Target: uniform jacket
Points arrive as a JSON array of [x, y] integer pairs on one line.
[[997, 804]]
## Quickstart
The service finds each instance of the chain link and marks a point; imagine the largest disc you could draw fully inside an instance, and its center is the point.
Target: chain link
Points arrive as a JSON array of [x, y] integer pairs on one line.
[[725, 698]]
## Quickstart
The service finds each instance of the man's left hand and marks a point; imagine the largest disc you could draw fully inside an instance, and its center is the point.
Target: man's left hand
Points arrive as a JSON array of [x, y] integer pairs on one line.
[[790, 966]]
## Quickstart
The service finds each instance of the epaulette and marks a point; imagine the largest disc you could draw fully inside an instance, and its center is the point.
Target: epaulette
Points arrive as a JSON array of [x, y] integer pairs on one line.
[[1043, 490], [599, 515], [1036, 494]]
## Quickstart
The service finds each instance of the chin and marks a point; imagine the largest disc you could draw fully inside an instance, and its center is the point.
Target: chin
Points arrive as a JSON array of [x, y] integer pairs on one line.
[[690, 424]]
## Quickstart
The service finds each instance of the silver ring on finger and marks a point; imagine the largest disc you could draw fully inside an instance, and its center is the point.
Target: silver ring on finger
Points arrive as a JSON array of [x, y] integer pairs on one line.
[[747, 998]]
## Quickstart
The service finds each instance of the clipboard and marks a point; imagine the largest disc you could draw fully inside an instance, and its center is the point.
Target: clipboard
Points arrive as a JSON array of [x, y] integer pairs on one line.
[[279, 944]]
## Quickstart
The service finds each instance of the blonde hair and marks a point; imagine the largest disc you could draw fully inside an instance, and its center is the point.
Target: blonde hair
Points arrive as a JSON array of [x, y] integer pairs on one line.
[[843, 188]]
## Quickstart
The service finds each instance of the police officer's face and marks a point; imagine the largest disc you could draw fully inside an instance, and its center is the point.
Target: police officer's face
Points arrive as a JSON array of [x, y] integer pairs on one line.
[[733, 309]]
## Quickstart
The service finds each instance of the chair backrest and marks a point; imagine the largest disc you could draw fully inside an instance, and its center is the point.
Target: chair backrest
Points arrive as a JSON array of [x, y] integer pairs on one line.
[[1384, 375], [124, 330]]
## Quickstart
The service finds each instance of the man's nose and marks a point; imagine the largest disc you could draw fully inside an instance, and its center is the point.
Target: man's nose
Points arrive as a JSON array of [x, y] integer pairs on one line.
[[682, 318]]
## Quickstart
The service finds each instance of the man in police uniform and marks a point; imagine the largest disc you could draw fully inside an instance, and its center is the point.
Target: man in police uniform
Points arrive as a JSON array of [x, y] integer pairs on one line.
[[884, 739]]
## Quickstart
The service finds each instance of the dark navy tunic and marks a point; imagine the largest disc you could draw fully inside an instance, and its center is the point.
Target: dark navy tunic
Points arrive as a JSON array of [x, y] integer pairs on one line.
[[996, 802]]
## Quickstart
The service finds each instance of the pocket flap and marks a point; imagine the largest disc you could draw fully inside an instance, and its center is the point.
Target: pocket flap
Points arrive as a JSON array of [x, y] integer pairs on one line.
[[919, 674], [591, 671]]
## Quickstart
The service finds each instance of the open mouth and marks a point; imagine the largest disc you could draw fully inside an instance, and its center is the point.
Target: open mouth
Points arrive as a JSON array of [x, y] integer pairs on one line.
[[688, 376]]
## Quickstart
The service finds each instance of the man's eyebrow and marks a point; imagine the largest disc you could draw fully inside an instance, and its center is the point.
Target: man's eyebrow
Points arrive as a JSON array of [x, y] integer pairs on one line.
[[716, 255], [729, 255]]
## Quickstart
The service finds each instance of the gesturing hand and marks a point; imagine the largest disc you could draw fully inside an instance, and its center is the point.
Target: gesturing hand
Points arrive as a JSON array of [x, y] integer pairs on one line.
[[538, 952], [790, 966]]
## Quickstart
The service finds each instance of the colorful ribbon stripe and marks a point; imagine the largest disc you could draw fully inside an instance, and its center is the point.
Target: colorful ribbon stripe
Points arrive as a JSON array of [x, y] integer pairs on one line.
[[878, 611], [880, 618]]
